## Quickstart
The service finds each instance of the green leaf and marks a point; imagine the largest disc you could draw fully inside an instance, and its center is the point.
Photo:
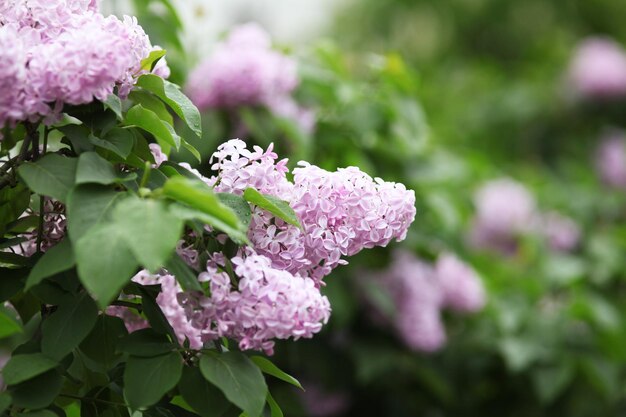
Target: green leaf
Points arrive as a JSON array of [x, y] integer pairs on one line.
[[151, 102], [104, 261], [192, 150], [101, 344], [204, 398], [171, 94], [274, 407], [53, 175], [269, 368], [12, 282], [38, 413], [114, 103], [148, 120], [187, 279], [8, 326], [146, 343], [13, 202], [150, 230], [5, 401], [57, 259], [187, 213], [238, 378], [146, 380], [276, 206], [117, 140], [92, 168], [155, 315], [68, 326], [201, 197], [239, 205], [21, 368], [89, 205], [148, 63], [38, 392]]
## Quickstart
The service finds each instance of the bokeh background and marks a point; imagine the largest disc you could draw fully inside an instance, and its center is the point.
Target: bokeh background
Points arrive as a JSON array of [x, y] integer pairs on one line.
[[508, 296]]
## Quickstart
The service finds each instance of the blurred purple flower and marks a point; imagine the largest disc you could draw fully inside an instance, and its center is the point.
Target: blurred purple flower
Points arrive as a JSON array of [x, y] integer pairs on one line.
[[462, 288], [321, 403], [598, 68], [561, 232], [610, 159]]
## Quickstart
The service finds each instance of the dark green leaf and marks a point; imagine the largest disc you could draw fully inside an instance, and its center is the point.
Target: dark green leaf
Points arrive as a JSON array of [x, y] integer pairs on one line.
[[276, 206], [171, 94], [5, 401], [12, 259], [146, 343], [146, 380], [13, 202], [68, 326], [149, 229], [269, 368], [92, 168], [114, 103], [102, 342], [155, 315], [239, 379], [89, 205], [105, 262], [187, 279], [12, 282], [38, 392], [57, 259], [203, 397], [53, 175], [117, 140], [21, 368]]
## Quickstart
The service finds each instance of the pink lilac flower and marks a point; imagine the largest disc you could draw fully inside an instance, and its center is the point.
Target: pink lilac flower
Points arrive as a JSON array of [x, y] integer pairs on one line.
[[243, 70], [57, 52], [341, 212], [561, 232], [505, 209], [157, 153], [462, 288], [611, 159], [598, 68], [266, 304], [132, 320]]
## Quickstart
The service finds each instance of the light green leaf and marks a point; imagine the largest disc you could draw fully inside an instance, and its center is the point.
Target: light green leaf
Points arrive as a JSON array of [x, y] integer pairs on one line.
[[53, 175], [239, 205], [276, 206], [21, 368], [151, 123], [146, 380], [150, 230], [238, 378], [171, 94], [269, 368], [92, 168], [148, 63], [8, 326], [57, 259], [274, 407], [117, 140], [68, 326], [187, 213]]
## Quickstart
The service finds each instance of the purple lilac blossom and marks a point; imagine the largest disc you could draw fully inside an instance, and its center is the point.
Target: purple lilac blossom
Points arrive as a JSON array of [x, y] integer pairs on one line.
[[505, 209], [267, 304], [319, 402], [598, 69], [561, 232], [462, 288], [611, 159], [56, 52], [243, 70]]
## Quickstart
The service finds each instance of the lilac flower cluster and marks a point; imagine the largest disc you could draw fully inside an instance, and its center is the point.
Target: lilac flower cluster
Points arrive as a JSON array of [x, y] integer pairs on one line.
[[340, 212], [420, 291], [267, 304], [57, 52], [243, 70], [506, 210], [598, 69]]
